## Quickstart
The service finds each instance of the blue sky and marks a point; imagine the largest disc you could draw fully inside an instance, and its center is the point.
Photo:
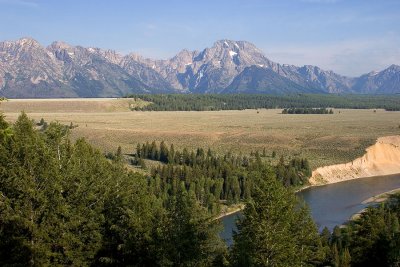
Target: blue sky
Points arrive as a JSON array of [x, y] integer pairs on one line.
[[350, 37]]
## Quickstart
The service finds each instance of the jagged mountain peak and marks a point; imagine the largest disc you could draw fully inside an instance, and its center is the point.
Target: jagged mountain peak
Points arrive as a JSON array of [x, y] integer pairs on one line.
[[25, 50], [386, 81], [28, 69], [58, 45], [394, 67], [184, 57], [310, 67], [110, 55], [215, 67], [135, 56], [391, 69], [232, 44], [22, 44], [184, 53], [373, 73], [239, 53], [28, 41], [237, 49], [314, 70]]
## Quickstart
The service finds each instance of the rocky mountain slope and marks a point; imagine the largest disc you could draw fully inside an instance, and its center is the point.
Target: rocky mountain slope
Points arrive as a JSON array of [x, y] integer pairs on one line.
[[384, 82], [27, 69], [255, 79]]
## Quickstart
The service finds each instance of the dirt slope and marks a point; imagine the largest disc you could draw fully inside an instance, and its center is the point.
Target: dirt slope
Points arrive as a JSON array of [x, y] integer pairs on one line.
[[383, 158]]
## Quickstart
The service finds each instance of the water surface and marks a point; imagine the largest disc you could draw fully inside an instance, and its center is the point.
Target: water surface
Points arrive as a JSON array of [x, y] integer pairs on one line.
[[332, 204]]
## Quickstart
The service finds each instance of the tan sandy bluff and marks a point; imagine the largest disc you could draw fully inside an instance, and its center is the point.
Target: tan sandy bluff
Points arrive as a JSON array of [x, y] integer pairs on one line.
[[382, 158]]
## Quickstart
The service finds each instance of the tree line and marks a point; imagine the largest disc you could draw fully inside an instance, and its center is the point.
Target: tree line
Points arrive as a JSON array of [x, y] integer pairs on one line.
[[211, 102], [213, 178], [307, 111]]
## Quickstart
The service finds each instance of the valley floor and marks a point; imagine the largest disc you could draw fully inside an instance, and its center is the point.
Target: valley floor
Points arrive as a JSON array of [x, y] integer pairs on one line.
[[323, 139]]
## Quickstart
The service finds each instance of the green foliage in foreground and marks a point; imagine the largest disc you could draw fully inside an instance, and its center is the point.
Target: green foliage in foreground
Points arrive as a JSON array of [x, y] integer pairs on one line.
[[371, 240], [65, 204], [276, 230], [182, 102]]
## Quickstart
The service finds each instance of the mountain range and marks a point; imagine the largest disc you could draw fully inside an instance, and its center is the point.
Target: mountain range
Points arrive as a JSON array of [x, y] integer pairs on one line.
[[30, 70]]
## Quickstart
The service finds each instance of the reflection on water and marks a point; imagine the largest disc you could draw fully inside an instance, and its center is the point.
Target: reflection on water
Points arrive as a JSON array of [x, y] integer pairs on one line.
[[229, 223], [333, 204]]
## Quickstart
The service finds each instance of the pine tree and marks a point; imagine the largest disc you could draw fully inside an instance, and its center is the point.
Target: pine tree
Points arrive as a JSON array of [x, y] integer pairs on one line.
[[275, 231], [132, 222], [345, 258], [118, 156], [335, 256], [30, 198], [191, 236], [6, 132]]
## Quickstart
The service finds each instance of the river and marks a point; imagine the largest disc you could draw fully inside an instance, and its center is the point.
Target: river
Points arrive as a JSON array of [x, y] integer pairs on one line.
[[332, 204]]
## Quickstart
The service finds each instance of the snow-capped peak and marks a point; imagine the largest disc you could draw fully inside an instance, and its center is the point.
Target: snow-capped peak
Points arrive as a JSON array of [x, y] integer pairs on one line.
[[232, 53], [373, 73]]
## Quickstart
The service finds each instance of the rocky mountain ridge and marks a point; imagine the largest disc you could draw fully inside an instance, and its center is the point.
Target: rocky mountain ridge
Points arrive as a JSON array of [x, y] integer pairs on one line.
[[28, 69]]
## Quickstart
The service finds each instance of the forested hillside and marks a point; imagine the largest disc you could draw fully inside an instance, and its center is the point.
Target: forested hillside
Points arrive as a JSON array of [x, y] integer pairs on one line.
[[213, 178], [63, 203]]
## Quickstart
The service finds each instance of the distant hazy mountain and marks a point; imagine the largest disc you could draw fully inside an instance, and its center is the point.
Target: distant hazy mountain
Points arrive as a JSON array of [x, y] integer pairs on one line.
[[314, 78], [28, 69], [255, 79], [383, 82]]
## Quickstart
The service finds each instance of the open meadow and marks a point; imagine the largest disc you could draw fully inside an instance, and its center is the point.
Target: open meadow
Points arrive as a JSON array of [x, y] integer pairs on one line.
[[323, 139]]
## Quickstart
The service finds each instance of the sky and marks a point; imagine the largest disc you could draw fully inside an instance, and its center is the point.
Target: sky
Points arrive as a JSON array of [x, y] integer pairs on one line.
[[350, 37]]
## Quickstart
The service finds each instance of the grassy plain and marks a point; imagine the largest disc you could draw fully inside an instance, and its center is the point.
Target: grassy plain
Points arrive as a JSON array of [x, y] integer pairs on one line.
[[66, 105], [323, 139]]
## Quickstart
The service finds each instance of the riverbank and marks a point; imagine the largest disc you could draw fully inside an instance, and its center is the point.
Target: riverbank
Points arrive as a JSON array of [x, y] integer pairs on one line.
[[374, 200], [382, 158], [239, 207], [229, 210], [381, 197]]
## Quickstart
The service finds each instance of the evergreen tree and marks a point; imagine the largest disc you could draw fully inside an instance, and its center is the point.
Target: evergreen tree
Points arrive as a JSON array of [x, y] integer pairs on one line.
[[345, 258], [335, 256], [31, 202], [132, 222], [191, 236], [276, 229]]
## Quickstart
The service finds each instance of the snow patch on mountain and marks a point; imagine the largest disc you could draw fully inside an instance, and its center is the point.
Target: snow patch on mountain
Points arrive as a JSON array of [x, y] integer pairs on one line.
[[232, 53]]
